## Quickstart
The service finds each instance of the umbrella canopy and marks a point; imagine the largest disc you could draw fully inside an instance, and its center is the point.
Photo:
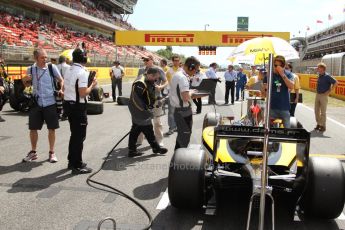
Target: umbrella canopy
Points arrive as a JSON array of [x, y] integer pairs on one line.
[[256, 50]]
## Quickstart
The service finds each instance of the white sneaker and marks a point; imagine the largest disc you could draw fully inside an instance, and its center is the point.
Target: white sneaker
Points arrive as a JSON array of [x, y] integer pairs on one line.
[[52, 157], [161, 145], [32, 155]]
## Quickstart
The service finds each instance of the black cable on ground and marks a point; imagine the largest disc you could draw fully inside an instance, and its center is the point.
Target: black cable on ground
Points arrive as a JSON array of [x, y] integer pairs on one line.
[[110, 189]]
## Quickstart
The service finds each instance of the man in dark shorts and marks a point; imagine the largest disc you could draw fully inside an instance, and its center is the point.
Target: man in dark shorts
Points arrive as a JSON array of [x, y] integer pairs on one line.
[[44, 109]]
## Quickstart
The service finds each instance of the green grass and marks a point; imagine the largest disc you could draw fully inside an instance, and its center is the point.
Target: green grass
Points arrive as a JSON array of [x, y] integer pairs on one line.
[[309, 98]]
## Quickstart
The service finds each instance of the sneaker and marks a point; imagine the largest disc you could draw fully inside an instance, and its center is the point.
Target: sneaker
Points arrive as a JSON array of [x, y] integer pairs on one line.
[[317, 127], [52, 157], [32, 155], [134, 153], [161, 145], [81, 170], [160, 150]]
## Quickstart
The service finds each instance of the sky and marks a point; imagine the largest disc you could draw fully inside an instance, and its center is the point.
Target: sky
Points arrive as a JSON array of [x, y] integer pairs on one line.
[[292, 16]]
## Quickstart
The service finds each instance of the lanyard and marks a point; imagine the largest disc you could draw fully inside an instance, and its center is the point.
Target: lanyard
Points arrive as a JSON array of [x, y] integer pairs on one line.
[[39, 77]]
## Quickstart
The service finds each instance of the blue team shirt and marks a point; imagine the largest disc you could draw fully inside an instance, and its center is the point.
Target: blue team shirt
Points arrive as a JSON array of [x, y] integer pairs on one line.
[[280, 100], [324, 83], [241, 79]]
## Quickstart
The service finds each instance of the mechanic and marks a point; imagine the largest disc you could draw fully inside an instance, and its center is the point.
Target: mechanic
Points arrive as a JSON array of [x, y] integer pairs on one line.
[[62, 67], [160, 84], [76, 89], [44, 107], [180, 96], [282, 82], [325, 84], [141, 104]]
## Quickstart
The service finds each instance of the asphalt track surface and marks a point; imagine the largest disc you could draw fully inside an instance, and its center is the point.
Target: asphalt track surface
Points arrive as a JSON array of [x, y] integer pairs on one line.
[[41, 195]]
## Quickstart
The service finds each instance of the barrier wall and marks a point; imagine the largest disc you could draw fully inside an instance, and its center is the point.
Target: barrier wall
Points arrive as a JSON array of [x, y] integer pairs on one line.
[[16, 72], [309, 81]]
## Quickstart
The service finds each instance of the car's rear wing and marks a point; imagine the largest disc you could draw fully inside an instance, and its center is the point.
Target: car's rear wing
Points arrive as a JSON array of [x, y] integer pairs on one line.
[[275, 134]]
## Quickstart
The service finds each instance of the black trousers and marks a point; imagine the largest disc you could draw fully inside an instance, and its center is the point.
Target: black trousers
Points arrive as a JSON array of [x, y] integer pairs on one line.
[[198, 103], [292, 109], [147, 130], [229, 86], [212, 97], [116, 82], [77, 119], [184, 123]]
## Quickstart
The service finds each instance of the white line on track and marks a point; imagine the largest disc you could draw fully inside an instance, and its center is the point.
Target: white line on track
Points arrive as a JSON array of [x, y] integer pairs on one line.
[[164, 201], [331, 119], [341, 217]]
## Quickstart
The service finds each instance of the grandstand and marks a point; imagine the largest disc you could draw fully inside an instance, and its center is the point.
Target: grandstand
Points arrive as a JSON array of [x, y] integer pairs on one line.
[[313, 47], [57, 25]]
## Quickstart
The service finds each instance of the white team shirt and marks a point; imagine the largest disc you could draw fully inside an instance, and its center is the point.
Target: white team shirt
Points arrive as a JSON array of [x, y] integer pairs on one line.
[[63, 68], [76, 71], [196, 80], [181, 81], [117, 71]]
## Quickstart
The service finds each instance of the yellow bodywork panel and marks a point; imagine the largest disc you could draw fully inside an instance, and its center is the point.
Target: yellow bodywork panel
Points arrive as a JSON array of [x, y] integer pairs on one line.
[[288, 151]]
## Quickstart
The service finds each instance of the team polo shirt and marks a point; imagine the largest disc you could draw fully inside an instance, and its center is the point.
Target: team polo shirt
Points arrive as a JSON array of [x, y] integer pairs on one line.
[[74, 73], [43, 84], [179, 82], [280, 99], [324, 83], [117, 71]]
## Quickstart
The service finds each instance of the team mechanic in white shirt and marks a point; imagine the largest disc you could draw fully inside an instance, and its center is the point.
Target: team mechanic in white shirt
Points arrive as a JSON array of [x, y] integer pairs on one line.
[[116, 75], [180, 97], [75, 91]]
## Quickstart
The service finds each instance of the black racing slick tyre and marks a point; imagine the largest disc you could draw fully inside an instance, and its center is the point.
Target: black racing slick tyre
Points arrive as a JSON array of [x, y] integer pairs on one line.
[[211, 119], [186, 182], [122, 100], [324, 196], [94, 107]]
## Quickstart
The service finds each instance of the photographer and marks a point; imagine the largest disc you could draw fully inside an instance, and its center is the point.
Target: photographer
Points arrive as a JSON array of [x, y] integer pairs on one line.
[[77, 87], [43, 108], [141, 105]]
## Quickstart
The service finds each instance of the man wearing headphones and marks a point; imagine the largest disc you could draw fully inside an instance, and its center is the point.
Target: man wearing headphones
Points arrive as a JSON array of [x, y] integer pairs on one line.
[[180, 96], [141, 105], [75, 92]]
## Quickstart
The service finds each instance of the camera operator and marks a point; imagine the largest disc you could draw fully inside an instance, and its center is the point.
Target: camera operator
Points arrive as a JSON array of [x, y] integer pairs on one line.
[[141, 105], [77, 87], [3, 96], [43, 108]]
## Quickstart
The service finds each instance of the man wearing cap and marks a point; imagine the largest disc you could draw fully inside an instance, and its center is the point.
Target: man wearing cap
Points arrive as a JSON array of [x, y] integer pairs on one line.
[[76, 90], [116, 75], [282, 82], [160, 83], [141, 104], [325, 84]]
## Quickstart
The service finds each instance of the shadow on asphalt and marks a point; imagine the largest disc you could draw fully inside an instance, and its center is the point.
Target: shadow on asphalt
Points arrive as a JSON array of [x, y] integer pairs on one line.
[[20, 167], [315, 133], [39, 183], [15, 113], [232, 214], [119, 161], [150, 191]]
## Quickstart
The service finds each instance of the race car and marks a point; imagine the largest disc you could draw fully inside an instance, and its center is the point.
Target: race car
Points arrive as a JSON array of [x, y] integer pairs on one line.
[[231, 156]]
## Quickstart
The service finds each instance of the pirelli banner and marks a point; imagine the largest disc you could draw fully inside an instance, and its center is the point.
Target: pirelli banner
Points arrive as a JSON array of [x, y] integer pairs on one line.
[[190, 38], [309, 82]]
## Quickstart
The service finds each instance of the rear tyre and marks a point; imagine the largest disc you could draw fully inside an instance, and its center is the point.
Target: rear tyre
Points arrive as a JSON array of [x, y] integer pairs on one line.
[[94, 107], [211, 119], [324, 196], [186, 182]]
